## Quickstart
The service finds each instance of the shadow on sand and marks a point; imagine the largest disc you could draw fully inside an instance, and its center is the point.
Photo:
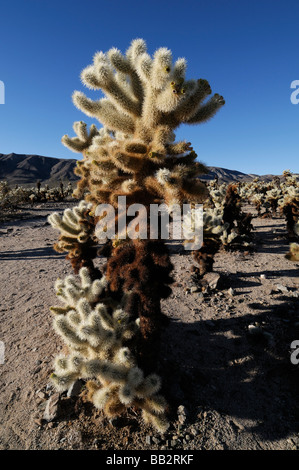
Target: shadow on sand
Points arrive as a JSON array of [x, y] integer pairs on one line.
[[219, 365]]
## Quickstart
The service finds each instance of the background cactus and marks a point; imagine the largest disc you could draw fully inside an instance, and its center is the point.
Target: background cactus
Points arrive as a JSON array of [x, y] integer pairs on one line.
[[224, 225]]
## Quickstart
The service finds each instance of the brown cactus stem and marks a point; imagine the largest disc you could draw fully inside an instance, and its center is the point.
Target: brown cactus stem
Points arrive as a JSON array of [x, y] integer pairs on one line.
[[231, 210], [205, 256], [291, 213], [85, 261], [142, 268], [148, 309]]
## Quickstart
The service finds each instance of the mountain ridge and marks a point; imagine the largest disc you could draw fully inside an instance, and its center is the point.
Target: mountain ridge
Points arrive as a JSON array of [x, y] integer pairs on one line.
[[26, 169]]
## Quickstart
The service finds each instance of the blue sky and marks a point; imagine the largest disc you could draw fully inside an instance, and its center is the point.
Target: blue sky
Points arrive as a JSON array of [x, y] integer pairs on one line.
[[247, 50]]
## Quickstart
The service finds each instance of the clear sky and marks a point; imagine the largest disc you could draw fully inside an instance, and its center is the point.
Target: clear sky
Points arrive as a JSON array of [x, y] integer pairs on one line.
[[246, 49]]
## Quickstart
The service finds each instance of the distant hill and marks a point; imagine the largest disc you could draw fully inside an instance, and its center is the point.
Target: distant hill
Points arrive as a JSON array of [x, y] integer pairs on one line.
[[27, 169], [227, 176]]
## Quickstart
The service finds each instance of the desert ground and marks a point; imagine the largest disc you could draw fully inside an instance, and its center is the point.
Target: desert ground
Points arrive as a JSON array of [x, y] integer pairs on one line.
[[225, 354]]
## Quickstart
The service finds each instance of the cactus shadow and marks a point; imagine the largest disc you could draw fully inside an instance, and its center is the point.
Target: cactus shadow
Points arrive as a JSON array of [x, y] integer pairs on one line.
[[29, 254], [177, 247], [270, 274], [221, 366]]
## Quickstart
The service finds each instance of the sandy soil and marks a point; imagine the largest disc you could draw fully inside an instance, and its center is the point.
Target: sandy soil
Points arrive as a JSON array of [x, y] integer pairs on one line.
[[239, 390]]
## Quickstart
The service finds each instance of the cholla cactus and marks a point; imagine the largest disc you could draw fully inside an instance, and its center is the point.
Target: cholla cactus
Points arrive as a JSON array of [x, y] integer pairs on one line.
[[217, 196], [135, 155], [215, 234], [273, 197], [146, 99], [289, 204], [77, 237], [258, 200], [97, 334], [293, 254], [12, 197], [224, 225], [212, 225]]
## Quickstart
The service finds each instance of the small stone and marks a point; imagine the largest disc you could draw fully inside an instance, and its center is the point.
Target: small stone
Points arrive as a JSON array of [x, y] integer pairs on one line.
[[52, 405], [212, 279], [41, 395], [38, 421], [75, 389], [281, 288], [177, 284], [173, 443], [182, 419], [194, 289], [156, 440], [254, 330], [41, 404], [262, 276], [148, 440], [231, 291]]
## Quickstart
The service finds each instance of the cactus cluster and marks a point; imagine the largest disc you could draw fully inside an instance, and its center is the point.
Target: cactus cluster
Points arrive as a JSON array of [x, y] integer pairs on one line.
[[10, 197], [224, 226], [277, 197], [133, 154], [97, 332], [77, 237], [293, 254]]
